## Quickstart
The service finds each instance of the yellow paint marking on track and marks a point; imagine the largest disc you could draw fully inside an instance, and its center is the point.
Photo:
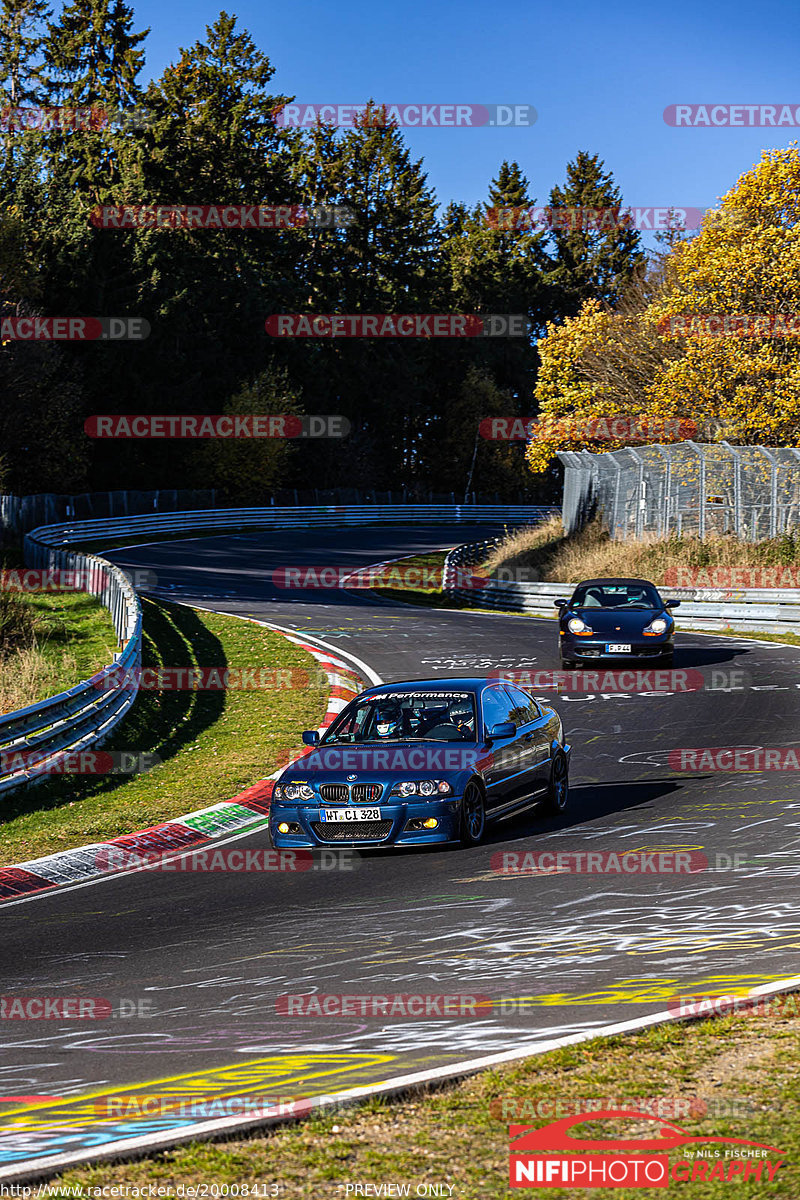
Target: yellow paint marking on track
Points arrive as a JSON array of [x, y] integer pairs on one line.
[[642, 991], [662, 850], [733, 806], [280, 1071]]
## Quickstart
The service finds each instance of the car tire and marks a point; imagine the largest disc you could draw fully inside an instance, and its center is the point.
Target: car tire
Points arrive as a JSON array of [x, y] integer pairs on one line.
[[567, 664], [558, 788], [472, 819], [666, 661]]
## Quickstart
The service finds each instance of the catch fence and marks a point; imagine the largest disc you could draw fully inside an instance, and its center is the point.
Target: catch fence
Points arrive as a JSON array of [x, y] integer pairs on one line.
[[688, 488]]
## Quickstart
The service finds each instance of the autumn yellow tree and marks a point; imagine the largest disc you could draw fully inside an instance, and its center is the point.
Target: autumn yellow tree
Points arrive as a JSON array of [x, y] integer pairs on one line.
[[659, 358]]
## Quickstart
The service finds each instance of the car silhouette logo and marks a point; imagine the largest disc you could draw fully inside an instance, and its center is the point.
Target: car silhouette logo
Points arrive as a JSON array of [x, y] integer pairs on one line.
[[557, 1136]]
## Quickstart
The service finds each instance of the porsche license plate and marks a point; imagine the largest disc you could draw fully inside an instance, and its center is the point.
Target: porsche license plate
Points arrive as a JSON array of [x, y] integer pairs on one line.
[[618, 648], [350, 814]]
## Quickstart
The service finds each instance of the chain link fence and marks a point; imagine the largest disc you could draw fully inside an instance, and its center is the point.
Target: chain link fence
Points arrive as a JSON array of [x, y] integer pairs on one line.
[[688, 488]]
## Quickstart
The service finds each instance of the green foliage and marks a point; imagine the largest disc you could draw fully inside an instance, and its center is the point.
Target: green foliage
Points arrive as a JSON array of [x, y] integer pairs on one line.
[[16, 623], [210, 137]]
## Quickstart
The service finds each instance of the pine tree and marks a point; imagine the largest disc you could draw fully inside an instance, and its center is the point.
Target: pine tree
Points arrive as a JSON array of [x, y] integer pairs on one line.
[[92, 56], [387, 261], [597, 262], [22, 25]]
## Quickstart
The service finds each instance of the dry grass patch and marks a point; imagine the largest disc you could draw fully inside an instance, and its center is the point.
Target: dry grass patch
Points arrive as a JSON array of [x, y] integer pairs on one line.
[[553, 557]]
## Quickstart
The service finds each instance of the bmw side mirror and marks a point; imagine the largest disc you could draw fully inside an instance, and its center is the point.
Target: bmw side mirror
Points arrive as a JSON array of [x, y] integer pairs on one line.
[[560, 603], [311, 737], [672, 604], [503, 729]]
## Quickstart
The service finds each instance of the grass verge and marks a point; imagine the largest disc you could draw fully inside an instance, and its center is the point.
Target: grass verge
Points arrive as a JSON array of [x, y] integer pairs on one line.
[[52, 641], [457, 1136], [211, 744]]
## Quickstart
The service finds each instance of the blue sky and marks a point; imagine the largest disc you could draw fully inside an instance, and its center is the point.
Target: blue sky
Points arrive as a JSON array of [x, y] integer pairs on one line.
[[599, 77]]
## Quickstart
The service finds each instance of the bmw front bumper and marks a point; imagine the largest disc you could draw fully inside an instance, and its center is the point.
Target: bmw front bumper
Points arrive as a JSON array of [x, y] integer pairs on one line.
[[308, 829]]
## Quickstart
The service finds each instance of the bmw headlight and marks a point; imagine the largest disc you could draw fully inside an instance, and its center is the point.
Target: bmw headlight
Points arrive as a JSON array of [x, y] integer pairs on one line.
[[422, 787], [293, 791], [576, 625], [659, 625]]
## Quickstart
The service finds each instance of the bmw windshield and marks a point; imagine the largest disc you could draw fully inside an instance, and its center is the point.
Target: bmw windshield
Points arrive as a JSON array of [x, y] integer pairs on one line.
[[405, 717]]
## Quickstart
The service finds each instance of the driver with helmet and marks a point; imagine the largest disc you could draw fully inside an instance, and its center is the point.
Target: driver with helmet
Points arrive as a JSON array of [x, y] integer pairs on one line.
[[388, 719], [460, 714]]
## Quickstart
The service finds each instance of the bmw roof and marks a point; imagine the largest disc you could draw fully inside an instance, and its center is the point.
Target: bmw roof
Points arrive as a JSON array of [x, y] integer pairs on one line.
[[468, 683]]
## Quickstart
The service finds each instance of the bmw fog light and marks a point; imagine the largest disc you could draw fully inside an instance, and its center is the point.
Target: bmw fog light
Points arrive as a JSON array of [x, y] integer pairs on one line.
[[283, 827], [430, 823]]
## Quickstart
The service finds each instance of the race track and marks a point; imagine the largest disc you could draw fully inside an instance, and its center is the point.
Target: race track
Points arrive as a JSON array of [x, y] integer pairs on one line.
[[212, 952]]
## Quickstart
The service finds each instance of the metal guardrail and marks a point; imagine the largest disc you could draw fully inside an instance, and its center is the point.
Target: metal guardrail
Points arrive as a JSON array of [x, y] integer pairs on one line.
[[775, 609], [34, 740], [288, 517]]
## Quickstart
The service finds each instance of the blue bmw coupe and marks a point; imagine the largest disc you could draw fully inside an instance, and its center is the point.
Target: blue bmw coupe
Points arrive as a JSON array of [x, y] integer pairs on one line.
[[422, 761]]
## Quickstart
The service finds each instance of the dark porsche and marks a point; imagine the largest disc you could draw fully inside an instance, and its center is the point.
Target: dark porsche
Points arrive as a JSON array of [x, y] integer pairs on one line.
[[615, 618]]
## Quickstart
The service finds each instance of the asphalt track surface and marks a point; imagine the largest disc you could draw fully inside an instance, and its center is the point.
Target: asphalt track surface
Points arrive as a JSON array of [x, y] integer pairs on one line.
[[574, 952]]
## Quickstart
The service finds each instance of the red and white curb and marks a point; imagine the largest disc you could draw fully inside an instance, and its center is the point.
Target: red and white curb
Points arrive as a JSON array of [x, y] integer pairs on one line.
[[249, 808]]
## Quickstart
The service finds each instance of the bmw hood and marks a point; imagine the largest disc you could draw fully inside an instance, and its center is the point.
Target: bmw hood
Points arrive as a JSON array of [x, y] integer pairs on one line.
[[376, 762]]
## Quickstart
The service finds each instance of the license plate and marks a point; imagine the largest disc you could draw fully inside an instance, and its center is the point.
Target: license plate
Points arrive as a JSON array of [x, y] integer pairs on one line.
[[618, 648], [350, 814]]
